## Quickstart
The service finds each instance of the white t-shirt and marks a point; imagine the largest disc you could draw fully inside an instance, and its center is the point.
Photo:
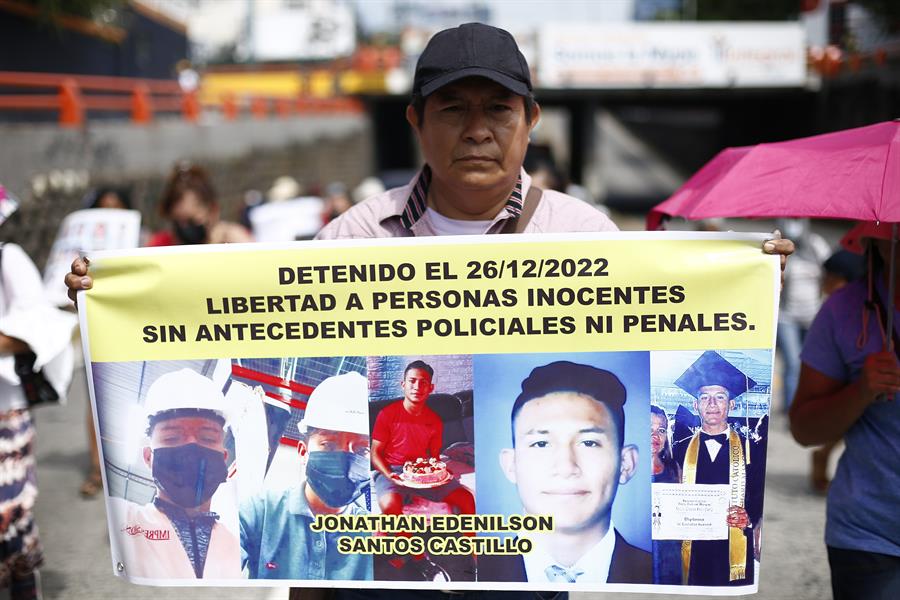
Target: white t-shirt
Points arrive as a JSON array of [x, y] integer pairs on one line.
[[441, 225]]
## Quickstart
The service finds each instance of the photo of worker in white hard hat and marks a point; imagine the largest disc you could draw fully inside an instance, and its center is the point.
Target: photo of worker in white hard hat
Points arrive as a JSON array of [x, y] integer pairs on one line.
[[174, 534], [277, 541]]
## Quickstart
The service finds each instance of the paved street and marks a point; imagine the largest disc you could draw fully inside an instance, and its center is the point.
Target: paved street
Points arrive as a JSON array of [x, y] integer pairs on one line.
[[77, 551]]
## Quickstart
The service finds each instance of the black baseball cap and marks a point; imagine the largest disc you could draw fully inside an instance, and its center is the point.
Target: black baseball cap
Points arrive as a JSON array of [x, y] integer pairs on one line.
[[471, 50]]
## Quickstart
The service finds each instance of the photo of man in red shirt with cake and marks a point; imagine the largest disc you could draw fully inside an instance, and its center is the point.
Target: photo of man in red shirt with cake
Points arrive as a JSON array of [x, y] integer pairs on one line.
[[407, 439], [409, 433]]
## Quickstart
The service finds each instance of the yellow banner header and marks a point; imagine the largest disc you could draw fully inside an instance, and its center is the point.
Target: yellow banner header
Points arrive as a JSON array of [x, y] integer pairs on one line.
[[503, 294]]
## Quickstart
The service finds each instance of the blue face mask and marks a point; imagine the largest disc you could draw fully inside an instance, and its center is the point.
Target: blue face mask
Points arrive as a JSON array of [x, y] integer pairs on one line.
[[188, 474], [338, 478]]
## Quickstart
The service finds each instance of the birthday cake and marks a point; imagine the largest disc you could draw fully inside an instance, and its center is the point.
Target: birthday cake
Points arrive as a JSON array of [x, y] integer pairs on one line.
[[425, 470]]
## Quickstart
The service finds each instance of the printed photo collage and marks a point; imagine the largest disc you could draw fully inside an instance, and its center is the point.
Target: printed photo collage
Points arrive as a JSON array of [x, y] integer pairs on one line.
[[532, 468]]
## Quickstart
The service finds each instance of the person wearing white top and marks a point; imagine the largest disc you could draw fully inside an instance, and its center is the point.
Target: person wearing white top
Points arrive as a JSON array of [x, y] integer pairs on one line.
[[35, 334]]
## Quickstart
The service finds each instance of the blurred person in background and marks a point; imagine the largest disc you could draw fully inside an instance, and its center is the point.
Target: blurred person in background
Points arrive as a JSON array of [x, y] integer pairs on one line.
[[252, 199], [284, 188], [113, 198], [188, 78], [108, 197], [368, 187], [712, 225], [33, 334], [841, 268], [289, 213], [540, 164], [189, 204], [848, 389], [337, 201], [801, 297]]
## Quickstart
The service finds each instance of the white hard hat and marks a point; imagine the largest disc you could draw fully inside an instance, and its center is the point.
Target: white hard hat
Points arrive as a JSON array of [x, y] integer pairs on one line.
[[183, 389], [340, 403]]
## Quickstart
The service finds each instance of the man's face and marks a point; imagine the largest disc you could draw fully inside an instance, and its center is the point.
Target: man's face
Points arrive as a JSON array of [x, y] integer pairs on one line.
[[327, 440], [712, 404], [567, 461], [110, 200], [188, 430], [417, 386], [190, 208], [181, 431], [336, 464], [474, 134]]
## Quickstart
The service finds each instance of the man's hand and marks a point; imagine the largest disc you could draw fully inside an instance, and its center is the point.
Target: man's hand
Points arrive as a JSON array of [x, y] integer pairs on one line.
[[78, 278], [880, 376], [779, 245], [737, 517]]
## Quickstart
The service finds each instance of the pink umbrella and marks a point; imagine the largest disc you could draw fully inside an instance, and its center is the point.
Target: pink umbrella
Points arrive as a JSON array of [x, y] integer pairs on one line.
[[850, 174]]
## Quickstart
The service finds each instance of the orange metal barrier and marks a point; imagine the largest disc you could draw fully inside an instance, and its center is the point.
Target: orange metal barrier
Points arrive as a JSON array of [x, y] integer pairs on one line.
[[73, 95], [832, 61]]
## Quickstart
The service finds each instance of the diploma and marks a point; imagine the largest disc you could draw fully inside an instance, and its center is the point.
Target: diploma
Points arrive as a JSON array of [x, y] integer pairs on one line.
[[689, 512]]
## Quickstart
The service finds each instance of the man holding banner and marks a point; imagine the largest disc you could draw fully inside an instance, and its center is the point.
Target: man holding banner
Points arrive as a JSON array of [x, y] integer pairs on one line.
[[276, 539], [717, 454], [176, 535], [472, 111]]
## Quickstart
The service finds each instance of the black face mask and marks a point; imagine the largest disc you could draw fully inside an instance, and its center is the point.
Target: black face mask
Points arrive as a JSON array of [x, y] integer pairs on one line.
[[188, 474], [190, 233], [338, 478]]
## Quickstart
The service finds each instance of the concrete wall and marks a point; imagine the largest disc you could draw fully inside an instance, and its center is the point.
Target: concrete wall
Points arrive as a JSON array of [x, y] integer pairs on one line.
[[49, 168]]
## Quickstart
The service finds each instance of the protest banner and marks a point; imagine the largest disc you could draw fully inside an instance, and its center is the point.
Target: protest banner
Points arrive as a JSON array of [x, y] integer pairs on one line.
[[87, 231], [437, 413], [287, 220]]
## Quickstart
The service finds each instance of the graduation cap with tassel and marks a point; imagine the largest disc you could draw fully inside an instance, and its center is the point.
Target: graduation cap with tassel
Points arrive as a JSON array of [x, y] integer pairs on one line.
[[712, 369]]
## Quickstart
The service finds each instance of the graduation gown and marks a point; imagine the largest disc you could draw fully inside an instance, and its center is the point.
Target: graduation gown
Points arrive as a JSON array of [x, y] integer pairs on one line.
[[710, 558]]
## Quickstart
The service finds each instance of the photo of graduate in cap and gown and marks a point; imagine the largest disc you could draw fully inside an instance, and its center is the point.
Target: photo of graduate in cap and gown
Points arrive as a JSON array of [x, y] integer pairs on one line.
[[724, 450]]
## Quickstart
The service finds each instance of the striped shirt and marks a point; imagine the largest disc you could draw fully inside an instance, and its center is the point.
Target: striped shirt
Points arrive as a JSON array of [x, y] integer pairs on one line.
[[399, 212], [417, 201]]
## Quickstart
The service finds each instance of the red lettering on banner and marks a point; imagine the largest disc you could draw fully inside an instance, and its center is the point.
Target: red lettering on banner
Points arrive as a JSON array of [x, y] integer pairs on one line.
[[150, 534]]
